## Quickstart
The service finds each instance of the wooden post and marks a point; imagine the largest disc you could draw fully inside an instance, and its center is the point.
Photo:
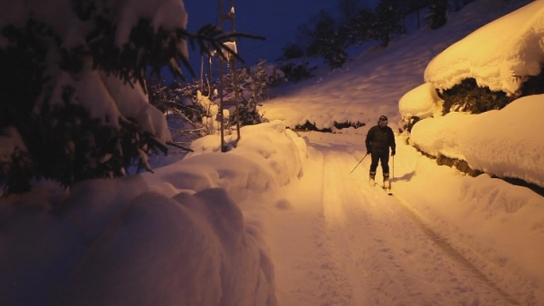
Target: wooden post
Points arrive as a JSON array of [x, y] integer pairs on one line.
[[231, 60]]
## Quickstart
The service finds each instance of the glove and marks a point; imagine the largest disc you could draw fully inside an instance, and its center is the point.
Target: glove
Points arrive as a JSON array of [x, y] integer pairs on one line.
[[368, 151], [393, 152]]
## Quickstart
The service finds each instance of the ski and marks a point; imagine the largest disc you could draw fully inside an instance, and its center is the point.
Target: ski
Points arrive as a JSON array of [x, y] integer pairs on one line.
[[388, 191], [385, 187]]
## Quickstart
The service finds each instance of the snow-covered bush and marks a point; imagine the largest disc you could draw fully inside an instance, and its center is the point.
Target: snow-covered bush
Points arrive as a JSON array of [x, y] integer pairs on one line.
[[475, 77], [251, 87], [201, 109], [254, 88], [185, 104], [209, 116], [469, 97], [291, 51], [295, 72]]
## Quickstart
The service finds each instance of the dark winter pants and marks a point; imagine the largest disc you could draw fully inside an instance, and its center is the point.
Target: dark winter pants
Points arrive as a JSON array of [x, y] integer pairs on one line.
[[383, 158]]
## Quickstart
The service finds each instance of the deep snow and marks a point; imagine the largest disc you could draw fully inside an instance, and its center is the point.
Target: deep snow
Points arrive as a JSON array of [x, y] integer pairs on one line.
[[280, 219]]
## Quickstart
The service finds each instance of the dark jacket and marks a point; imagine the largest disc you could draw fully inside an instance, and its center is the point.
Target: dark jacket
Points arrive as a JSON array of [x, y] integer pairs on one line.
[[379, 139]]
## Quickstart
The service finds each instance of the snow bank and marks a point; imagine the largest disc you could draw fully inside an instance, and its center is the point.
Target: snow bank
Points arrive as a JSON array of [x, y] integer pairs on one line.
[[186, 250], [175, 237], [506, 143], [421, 102], [497, 226]]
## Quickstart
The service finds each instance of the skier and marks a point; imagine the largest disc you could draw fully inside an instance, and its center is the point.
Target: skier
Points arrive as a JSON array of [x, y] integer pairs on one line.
[[378, 140]]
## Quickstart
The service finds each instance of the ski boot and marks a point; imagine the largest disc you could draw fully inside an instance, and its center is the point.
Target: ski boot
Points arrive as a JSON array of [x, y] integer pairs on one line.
[[387, 183], [372, 179]]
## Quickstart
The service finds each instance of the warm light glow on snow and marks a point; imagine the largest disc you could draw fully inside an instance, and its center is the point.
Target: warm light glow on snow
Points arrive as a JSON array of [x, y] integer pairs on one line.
[[279, 220]]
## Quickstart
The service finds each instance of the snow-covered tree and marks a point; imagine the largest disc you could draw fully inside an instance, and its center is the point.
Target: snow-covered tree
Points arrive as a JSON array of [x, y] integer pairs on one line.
[[348, 9], [252, 86], [295, 72], [459, 4], [73, 101], [255, 87], [388, 21], [437, 13], [416, 6], [200, 109], [291, 51], [292, 63], [327, 42], [362, 27], [158, 91]]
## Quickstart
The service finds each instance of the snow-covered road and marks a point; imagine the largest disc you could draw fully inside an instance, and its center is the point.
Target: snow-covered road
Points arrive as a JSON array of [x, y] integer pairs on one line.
[[339, 241]]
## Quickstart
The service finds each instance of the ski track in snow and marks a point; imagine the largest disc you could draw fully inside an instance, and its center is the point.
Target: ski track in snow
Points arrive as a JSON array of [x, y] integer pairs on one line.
[[367, 248]]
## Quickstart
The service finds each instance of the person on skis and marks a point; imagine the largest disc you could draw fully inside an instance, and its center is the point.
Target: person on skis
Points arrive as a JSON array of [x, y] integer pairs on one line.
[[378, 141]]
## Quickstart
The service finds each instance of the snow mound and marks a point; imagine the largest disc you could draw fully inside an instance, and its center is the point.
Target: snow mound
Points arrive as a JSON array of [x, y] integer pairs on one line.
[[509, 142], [499, 55], [421, 102], [181, 236], [178, 245]]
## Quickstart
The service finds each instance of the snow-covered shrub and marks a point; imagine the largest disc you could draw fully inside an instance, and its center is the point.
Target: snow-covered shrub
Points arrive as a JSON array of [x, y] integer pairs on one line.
[[312, 126], [533, 84], [202, 109], [198, 110], [209, 116], [475, 77], [291, 51], [471, 98], [159, 92], [184, 104], [295, 72], [425, 101], [253, 85]]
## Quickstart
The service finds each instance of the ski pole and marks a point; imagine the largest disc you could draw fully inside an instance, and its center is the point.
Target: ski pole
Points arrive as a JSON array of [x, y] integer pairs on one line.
[[392, 170], [358, 163]]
